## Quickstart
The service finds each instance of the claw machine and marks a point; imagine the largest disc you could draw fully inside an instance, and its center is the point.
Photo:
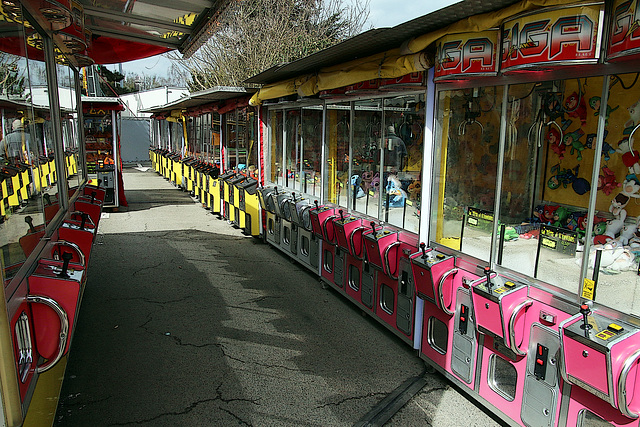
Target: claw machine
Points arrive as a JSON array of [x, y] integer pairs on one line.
[[102, 146]]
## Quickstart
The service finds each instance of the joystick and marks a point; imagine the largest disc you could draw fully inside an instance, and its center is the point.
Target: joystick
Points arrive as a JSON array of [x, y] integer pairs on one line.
[[29, 221], [373, 227], [317, 205], [341, 215], [487, 273], [585, 311], [66, 257], [423, 246]]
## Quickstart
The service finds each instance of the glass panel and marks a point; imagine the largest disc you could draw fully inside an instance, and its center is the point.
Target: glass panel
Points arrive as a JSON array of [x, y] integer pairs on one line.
[[467, 140], [293, 138], [312, 151], [177, 137], [337, 133], [403, 146], [253, 159], [367, 140], [242, 138], [70, 137], [24, 108], [275, 151], [230, 137], [546, 182], [618, 197], [215, 138]]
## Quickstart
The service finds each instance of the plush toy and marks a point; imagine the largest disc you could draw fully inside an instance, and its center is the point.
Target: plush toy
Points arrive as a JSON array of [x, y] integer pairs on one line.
[[560, 216], [367, 177], [576, 107], [594, 103], [573, 140], [599, 238], [548, 213], [414, 190], [627, 233], [607, 181], [554, 139], [615, 225], [397, 196], [566, 177], [634, 115], [356, 185], [375, 184], [630, 157], [614, 258]]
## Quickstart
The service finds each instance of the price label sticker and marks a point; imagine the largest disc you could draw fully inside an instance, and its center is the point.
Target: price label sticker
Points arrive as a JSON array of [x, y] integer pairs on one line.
[[588, 289]]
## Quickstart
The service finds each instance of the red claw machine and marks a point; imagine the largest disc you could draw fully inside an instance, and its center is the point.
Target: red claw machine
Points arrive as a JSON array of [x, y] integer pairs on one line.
[[102, 146]]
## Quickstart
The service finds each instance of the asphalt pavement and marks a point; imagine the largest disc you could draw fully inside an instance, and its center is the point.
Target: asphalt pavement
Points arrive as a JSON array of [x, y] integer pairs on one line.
[[187, 322]]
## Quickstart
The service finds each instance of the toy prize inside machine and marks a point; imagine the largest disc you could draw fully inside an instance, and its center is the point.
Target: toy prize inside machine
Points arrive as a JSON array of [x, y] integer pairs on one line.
[[102, 146]]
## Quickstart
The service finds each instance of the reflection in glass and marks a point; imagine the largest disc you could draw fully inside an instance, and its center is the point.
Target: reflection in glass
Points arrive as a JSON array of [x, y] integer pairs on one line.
[[311, 150], [367, 141], [276, 143], [549, 154], [26, 155], [339, 186], [616, 232], [403, 147], [293, 138], [467, 138]]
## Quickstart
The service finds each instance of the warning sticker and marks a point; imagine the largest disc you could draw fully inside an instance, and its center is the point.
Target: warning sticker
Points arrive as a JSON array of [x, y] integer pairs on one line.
[[588, 289]]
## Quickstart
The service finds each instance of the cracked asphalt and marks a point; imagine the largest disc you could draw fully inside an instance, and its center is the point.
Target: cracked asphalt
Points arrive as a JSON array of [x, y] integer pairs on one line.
[[187, 322]]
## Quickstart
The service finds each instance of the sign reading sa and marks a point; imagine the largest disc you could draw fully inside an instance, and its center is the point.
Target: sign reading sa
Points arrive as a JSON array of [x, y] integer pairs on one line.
[[467, 55], [625, 29], [553, 37]]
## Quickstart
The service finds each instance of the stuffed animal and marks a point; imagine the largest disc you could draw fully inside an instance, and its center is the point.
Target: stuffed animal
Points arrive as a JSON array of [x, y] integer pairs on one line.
[[573, 140], [630, 157], [594, 103], [414, 190], [554, 139], [356, 185], [607, 181], [397, 196], [576, 107], [560, 216]]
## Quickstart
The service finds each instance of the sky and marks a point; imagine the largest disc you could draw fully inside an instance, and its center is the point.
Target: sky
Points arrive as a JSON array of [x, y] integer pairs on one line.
[[382, 13]]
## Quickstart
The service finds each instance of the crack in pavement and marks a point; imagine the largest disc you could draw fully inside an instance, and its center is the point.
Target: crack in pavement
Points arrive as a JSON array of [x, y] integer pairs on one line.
[[347, 399], [150, 301], [264, 365]]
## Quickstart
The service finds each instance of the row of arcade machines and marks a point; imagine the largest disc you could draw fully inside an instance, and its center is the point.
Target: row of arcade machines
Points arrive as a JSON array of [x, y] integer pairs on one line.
[[18, 182], [533, 359], [43, 306], [231, 195]]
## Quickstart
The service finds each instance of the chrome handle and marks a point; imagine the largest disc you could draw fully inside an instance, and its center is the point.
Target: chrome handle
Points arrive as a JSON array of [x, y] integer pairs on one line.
[[443, 307], [622, 386], [72, 246], [324, 227], [512, 326], [64, 328], [353, 245], [386, 265]]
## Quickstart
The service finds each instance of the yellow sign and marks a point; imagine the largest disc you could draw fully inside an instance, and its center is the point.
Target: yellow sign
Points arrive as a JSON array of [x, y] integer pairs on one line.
[[606, 334], [588, 289]]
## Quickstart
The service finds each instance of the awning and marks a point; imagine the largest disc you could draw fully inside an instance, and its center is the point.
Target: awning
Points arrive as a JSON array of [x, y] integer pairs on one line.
[[123, 30], [360, 59]]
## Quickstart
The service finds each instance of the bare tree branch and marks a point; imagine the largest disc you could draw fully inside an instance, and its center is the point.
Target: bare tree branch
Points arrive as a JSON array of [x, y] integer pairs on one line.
[[254, 35]]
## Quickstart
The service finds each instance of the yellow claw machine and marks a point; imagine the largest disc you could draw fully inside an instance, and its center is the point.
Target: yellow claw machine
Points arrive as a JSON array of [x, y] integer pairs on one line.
[[102, 146]]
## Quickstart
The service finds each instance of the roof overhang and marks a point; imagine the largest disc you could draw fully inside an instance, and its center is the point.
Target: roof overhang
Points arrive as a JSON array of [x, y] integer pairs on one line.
[[208, 96], [121, 30]]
